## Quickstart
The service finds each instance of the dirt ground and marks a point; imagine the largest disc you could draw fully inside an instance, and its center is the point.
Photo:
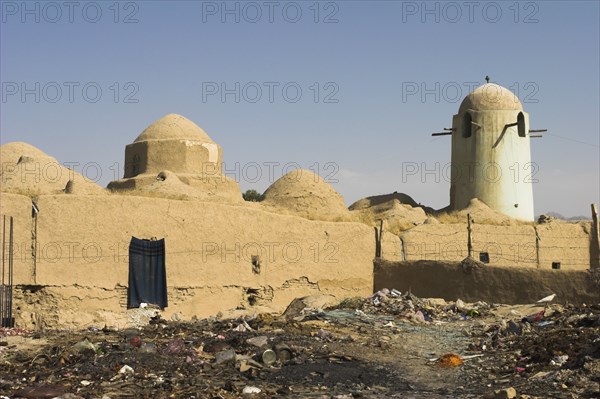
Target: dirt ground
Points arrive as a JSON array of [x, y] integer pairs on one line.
[[389, 345]]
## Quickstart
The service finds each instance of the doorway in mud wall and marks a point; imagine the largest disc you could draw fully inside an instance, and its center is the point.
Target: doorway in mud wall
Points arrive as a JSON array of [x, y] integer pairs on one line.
[[147, 273]]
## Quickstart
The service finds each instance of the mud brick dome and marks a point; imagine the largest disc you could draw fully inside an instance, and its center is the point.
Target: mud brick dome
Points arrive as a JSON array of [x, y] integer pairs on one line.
[[175, 158], [172, 143]]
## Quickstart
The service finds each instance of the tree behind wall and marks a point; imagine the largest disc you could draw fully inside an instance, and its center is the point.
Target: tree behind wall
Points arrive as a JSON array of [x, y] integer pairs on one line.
[[252, 196]]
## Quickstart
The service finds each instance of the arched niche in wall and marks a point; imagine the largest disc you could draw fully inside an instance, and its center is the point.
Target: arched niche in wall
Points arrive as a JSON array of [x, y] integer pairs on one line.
[[521, 125], [467, 128]]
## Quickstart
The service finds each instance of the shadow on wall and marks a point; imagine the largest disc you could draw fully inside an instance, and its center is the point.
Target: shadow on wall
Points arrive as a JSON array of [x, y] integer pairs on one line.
[[450, 280], [595, 240], [595, 255]]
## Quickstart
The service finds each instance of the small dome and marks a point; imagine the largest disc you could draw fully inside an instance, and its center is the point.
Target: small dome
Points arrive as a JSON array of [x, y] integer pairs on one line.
[[491, 96], [10, 153], [306, 194], [171, 127], [56, 177], [375, 200]]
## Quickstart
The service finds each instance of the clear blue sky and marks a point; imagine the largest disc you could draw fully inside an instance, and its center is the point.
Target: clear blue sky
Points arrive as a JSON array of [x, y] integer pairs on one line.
[[354, 61]]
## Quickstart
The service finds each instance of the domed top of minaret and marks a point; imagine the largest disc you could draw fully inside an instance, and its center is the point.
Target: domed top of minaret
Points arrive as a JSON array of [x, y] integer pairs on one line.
[[491, 96], [172, 127]]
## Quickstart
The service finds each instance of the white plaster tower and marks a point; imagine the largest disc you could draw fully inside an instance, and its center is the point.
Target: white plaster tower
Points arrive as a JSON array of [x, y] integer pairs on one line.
[[491, 156]]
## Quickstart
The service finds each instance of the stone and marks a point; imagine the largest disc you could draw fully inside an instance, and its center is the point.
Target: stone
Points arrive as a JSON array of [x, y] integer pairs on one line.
[[126, 370], [84, 347], [508, 393], [251, 390], [437, 301], [225, 356], [514, 328], [259, 341], [148, 347]]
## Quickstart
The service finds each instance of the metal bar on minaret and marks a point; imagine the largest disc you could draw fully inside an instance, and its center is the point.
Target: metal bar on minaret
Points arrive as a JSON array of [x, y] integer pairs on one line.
[[441, 134]]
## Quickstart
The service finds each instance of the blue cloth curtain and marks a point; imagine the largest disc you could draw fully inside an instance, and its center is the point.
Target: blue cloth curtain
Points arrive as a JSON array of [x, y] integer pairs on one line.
[[147, 273]]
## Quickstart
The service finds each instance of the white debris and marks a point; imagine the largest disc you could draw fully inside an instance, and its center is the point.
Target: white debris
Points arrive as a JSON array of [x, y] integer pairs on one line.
[[126, 370], [559, 360], [251, 390], [549, 298]]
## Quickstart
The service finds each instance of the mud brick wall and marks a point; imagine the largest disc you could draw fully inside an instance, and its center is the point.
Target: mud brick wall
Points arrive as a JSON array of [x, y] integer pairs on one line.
[[567, 243], [440, 242], [523, 246], [81, 268], [492, 284]]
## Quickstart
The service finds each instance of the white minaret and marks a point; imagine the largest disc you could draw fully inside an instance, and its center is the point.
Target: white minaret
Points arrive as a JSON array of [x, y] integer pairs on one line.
[[491, 156]]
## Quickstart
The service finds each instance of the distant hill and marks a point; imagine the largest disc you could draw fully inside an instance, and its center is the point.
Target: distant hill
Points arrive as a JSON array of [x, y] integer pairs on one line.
[[571, 219]]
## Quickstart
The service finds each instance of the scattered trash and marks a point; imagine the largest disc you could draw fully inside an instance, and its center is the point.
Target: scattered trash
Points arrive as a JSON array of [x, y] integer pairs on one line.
[[559, 360], [472, 356], [335, 352], [243, 327], [450, 360], [533, 318], [549, 298], [545, 323], [284, 353], [251, 390], [269, 357], [126, 371], [175, 347]]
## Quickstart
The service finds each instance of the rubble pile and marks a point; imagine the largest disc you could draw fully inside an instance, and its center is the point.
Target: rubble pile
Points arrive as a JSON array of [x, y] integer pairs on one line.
[[556, 351], [413, 308], [206, 358], [390, 344]]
